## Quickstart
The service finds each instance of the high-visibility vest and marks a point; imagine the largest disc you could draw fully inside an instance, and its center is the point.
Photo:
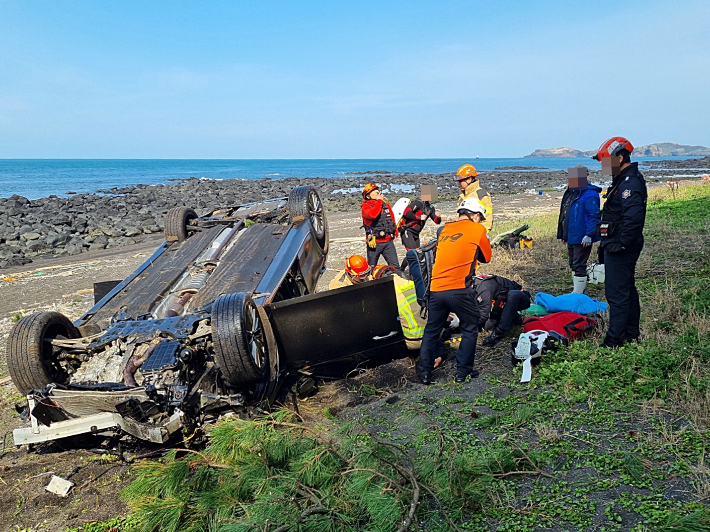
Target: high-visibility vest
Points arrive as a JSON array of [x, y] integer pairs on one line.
[[410, 319]]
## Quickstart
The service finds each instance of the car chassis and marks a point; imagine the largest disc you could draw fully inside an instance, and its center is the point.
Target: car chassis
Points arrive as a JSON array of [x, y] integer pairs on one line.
[[214, 321]]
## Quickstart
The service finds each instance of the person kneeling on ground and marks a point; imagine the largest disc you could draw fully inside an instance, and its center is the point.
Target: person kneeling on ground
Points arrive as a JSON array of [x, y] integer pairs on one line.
[[356, 270], [499, 300], [461, 244]]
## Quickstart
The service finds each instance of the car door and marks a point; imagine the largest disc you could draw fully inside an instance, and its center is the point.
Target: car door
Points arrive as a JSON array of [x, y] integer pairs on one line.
[[336, 324]]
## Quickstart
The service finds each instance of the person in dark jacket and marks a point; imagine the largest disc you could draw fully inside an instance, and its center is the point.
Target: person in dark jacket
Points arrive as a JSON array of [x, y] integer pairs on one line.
[[379, 224], [577, 223], [499, 302], [415, 216], [621, 231]]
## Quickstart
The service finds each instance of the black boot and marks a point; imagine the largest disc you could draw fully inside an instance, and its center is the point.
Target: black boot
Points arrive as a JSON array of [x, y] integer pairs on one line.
[[493, 338]]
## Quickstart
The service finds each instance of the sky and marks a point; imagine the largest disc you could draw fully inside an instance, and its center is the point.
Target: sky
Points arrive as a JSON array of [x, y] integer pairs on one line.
[[339, 79]]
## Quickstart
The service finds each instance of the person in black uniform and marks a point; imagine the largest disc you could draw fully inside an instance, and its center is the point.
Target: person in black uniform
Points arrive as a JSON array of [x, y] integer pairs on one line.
[[499, 301], [415, 216], [621, 232]]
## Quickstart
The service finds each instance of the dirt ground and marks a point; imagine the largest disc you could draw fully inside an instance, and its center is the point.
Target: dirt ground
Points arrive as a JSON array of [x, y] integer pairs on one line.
[[65, 285]]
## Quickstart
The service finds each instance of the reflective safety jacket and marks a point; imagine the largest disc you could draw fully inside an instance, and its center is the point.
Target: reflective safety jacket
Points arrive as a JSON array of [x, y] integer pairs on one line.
[[475, 191], [409, 312]]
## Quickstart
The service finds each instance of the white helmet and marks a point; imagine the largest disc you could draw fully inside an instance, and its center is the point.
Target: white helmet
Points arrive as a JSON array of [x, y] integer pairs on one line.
[[472, 205]]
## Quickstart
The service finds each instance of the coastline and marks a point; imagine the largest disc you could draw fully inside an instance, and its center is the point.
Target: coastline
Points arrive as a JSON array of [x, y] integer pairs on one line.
[[66, 226]]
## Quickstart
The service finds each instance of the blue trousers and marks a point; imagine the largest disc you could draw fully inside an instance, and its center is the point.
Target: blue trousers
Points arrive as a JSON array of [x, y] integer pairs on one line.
[[463, 303], [415, 270]]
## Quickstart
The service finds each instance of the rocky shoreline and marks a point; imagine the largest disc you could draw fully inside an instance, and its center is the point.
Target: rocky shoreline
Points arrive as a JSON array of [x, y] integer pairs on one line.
[[58, 226]]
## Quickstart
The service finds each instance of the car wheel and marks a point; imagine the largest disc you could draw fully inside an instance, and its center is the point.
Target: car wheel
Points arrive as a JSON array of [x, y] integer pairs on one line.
[[239, 342], [176, 221], [304, 203], [266, 390], [31, 357]]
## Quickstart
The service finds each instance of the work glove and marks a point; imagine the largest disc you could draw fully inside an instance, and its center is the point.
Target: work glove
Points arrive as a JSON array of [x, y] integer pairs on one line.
[[587, 241], [614, 247], [371, 241]]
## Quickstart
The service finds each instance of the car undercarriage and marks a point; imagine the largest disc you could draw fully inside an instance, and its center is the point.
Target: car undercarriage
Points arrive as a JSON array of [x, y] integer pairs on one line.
[[216, 320]]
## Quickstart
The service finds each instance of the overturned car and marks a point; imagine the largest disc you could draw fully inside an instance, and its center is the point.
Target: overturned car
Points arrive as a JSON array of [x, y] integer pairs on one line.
[[215, 320]]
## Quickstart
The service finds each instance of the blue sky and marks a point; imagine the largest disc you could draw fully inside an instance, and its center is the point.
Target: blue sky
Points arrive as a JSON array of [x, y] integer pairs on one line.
[[401, 79]]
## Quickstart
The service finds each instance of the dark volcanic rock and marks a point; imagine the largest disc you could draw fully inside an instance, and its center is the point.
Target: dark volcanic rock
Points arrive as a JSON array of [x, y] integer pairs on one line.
[[520, 168], [701, 163], [122, 216]]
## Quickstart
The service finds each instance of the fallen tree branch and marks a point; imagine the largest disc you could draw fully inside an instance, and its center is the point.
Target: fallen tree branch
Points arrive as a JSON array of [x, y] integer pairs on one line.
[[533, 472], [313, 510]]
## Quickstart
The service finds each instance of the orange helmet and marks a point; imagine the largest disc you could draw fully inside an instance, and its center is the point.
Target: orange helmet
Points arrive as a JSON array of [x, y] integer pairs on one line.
[[612, 147], [357, 268], [382, 270], [368, 189], [466, 171]]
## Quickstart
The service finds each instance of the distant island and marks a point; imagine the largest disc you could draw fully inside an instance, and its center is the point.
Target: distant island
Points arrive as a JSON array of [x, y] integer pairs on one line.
[[661, 149]]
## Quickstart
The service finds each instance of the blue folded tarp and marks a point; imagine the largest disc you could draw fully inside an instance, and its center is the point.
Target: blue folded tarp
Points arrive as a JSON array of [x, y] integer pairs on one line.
[[580, 303]]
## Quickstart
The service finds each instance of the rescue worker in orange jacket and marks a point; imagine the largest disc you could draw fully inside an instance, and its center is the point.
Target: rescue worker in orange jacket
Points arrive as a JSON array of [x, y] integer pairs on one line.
[[379, 224], [467, 176], [461, 245]]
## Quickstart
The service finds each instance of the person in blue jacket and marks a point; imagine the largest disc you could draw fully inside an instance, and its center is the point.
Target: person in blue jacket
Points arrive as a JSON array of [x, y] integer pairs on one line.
[[576, 226]]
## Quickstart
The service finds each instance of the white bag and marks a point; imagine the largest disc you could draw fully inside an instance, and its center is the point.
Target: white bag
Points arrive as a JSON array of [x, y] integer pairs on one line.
[[595, 273]]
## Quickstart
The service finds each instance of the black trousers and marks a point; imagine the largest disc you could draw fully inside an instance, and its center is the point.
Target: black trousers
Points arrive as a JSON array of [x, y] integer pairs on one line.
[[410, 239], [463, 303], [387, 250], [517, 301], [578, 257], [622, 296]]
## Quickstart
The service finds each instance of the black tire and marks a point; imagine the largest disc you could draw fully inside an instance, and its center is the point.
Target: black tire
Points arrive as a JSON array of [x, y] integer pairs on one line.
[[304, 203], [176, 222], [240, 346], [31, 358]]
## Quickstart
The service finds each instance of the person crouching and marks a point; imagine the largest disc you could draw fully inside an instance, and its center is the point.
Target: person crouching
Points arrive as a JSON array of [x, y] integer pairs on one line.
[[461, 244], [500, 300], [356, 270]]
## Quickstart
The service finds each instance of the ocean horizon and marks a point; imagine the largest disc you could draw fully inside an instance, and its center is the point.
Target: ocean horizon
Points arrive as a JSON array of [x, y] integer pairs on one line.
[[37, 178]]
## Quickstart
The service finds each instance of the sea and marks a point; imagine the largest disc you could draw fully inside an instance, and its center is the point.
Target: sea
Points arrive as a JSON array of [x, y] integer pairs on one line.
[[37, 178]]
